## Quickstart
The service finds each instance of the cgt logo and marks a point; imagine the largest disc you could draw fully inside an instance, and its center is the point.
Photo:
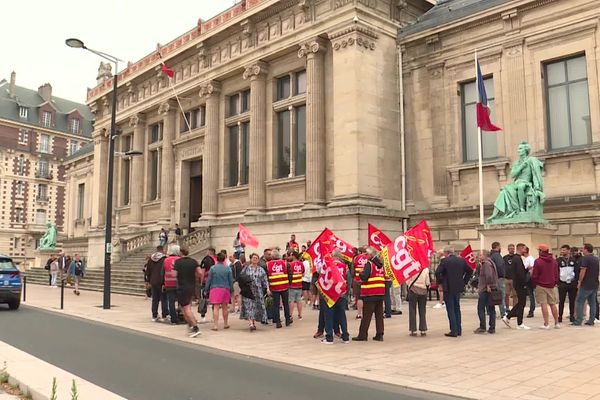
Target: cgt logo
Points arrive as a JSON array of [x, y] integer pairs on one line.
[[326, 281], [401, 259], [376, 240], [277, 268]]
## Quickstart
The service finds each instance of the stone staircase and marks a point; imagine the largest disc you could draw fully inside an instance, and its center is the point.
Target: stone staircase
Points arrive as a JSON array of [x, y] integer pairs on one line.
[[127, 276]]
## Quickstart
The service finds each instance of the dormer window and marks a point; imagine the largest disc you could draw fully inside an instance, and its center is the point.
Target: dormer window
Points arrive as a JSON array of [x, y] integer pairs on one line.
[[47, 119], [23, 112], [74, 126]]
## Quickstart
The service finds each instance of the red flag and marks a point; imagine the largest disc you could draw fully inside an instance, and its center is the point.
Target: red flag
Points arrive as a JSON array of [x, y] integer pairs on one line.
[[168, 71], [469, 257], [377, 239], [246, 237], [319, 247], [331, 283], [419, 243], [398, 262]]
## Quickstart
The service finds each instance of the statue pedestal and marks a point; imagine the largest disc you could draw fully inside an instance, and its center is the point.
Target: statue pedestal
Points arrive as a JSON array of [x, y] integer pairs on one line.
[[42, 256], [531, 234]]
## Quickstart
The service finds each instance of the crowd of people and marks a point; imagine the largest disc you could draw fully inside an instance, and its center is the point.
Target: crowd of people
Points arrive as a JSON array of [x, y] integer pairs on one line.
[[277, 286], [61, 267]]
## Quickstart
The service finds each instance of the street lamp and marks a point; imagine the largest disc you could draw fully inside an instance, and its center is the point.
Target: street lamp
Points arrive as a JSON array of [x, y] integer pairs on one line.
[[78, 44]]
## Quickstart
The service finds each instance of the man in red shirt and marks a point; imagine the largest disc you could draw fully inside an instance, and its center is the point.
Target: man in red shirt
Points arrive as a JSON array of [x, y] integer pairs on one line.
[[544, 278]]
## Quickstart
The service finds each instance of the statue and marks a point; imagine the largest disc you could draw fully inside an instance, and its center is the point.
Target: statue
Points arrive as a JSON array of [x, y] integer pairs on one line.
[[48, 241], [522, 200], [104, 72]]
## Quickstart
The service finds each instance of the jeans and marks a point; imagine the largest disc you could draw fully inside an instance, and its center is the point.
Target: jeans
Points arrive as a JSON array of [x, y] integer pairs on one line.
[[387, 299], [370, 308], [502, 288], [414, 301], [158, 296], [54, 275], [483, 304], [519, 308], [453, 310], [584, 295], [277, 298], [171, 297], [565, 289], [531, 294], [335, 316]]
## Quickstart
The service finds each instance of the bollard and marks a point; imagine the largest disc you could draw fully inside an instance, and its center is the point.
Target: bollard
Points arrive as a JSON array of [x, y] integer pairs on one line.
[[62, 294], [24, 289]]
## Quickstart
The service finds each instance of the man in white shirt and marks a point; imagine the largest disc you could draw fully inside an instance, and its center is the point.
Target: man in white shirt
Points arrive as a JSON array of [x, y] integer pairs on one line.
[[528, 261]]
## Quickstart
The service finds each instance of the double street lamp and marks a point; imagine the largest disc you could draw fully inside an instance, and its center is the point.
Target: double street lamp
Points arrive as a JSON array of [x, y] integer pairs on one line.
[[78, 44]]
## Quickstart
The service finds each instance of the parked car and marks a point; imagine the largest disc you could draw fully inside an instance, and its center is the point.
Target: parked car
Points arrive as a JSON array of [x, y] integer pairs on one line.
[[10, 283]]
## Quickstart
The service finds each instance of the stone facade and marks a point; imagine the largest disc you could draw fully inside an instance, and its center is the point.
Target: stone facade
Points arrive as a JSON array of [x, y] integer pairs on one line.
[[520, 45]]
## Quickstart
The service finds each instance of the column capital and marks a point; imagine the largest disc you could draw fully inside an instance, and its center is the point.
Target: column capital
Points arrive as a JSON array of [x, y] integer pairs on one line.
[[256, 70], [137, 119], [210, 88], [165, 107], [311, 47]]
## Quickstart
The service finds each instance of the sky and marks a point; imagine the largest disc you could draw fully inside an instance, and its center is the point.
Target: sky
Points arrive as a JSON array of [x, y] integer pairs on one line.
[[33, 36]]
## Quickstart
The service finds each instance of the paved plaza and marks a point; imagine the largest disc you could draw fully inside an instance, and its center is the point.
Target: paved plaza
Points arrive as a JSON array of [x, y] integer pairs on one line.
[[535, 364]]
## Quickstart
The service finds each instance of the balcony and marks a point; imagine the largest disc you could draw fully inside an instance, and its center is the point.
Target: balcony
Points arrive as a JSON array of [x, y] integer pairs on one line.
[[41, 199], [35, 228], [43, 175]]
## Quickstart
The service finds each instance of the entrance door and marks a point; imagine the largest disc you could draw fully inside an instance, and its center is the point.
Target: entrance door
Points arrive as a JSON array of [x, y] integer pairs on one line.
[[195, 191]]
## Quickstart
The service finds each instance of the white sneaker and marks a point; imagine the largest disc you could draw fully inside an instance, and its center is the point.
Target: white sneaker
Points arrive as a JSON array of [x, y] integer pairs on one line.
[[324, 341], [523, 327], [154, 319], [439, 305], [557, 326], [506, 321], [597, 321], [545, 327]]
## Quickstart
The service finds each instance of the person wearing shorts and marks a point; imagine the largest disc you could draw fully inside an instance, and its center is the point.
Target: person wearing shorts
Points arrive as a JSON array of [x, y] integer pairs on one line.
[[544, 277], [188, 272]]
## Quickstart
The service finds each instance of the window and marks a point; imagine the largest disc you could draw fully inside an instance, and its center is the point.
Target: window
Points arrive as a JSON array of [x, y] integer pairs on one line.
[[196, 118], [245, 101], [42, 194], [43, 169], [19, 215], [300, 141], [283, 144], [156, 132], [23, 112], [74, 126], [283, 87], [23, 137], [153, 178], [469, 99], [238, 155], [567, 103], [40, 217], [21, 165], [125, 169], [17, 244], [300, 83], [73, 147], [239, 103], [80, 200], [47, 119], [44, 143], [20, 188], [234, 102]]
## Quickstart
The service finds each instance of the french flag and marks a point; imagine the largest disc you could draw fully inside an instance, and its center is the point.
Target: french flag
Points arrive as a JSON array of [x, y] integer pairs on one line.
[[483, 111]]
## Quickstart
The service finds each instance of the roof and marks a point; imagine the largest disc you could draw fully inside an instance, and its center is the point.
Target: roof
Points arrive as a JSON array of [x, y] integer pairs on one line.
[[30, 99], [83, 150], [447, 11]]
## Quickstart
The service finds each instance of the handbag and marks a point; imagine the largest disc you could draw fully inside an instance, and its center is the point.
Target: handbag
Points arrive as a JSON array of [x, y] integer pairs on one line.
[[495, 297], [410, 287]]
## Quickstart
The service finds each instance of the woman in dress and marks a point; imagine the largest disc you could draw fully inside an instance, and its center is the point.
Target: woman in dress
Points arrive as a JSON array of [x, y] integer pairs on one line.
[[253, 309], [219, 286]]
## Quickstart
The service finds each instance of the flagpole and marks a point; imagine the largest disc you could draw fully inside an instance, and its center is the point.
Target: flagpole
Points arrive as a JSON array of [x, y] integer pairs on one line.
[[187, 123], [480, 165]]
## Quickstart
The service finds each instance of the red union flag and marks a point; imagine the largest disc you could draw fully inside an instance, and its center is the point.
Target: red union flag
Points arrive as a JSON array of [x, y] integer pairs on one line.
[[321, 246], [398, 262], [331, 283], [246, 237], [345, 248], [469, 257], [419, 243], [377, 239]]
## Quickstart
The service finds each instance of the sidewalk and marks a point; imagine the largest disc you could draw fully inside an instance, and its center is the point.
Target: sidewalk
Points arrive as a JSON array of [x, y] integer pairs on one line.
[[535, 364]]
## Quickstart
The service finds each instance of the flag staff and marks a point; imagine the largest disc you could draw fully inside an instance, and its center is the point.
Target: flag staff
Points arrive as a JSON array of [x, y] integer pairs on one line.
[[170, 79], [480, 164]]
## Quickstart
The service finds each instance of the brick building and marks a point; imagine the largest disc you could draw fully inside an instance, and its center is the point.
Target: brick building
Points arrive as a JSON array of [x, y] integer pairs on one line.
[[37, 132]]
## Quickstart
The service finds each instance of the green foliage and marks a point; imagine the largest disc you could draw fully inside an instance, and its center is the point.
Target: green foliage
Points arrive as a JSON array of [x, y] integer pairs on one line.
[[53, 396], [74, 393], [4, 374]]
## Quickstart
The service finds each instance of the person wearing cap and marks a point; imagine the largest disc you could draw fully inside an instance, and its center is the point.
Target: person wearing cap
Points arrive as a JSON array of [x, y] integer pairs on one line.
[[544, 278]]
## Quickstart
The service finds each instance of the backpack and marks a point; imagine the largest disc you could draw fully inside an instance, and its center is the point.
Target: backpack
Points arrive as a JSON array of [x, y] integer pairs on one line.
[[78, 269]]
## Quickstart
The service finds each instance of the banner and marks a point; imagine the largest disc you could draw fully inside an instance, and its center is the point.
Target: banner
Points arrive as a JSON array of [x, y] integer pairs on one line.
[[377, 239], [331, 284], [325, 243], [398, 262], [246, 237], [469, 257], [419, 243]]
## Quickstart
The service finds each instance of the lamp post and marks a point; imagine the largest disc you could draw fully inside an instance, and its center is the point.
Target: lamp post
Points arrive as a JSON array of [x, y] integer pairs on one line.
[[78, 44]]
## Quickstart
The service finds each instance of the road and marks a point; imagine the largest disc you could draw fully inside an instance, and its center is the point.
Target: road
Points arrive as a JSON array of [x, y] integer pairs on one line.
[[140, 366]]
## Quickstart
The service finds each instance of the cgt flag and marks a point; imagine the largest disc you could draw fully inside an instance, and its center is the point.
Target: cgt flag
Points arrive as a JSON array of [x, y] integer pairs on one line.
[[246, 237], [469, 257], [398, 263], [325, 243], [331, 283], [377, 239], [419, 243]]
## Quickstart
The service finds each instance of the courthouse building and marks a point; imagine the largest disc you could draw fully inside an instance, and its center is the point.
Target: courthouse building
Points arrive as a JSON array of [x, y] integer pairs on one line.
[[293, 122], [37, 132]]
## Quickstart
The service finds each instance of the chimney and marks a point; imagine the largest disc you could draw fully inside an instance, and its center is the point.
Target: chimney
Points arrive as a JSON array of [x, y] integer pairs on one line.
[[13, 79], [45, 91]]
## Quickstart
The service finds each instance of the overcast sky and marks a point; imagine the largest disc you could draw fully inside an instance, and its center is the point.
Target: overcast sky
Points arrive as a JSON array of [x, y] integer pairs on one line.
[[33, 36]]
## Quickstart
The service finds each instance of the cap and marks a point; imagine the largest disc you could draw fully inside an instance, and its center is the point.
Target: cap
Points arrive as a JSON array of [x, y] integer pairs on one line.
[[543, 247]]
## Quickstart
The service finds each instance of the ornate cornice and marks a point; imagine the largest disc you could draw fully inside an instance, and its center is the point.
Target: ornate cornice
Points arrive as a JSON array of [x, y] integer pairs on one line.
[[209, 88], [354, 28], [255, 70], [313, 46], [356, 35]]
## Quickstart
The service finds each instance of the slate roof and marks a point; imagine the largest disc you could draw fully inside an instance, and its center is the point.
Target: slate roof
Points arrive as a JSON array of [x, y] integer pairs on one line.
[[9, 109], [447, 11]]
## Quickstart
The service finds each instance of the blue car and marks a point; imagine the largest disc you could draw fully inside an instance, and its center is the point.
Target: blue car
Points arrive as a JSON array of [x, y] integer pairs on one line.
[[10, 283]]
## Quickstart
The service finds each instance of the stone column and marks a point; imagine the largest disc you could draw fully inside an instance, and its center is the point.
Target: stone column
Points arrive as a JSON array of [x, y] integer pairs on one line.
[[258, 137], [72, 204], [210, 157], [169, 112], [438, 135], [136, 190], [314, 51], [98, 189]]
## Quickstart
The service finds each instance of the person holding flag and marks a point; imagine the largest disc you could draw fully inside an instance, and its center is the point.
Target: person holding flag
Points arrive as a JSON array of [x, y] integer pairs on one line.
[[297, 273], [333, 286], [358, 264], [372, 292], [278, 273]]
